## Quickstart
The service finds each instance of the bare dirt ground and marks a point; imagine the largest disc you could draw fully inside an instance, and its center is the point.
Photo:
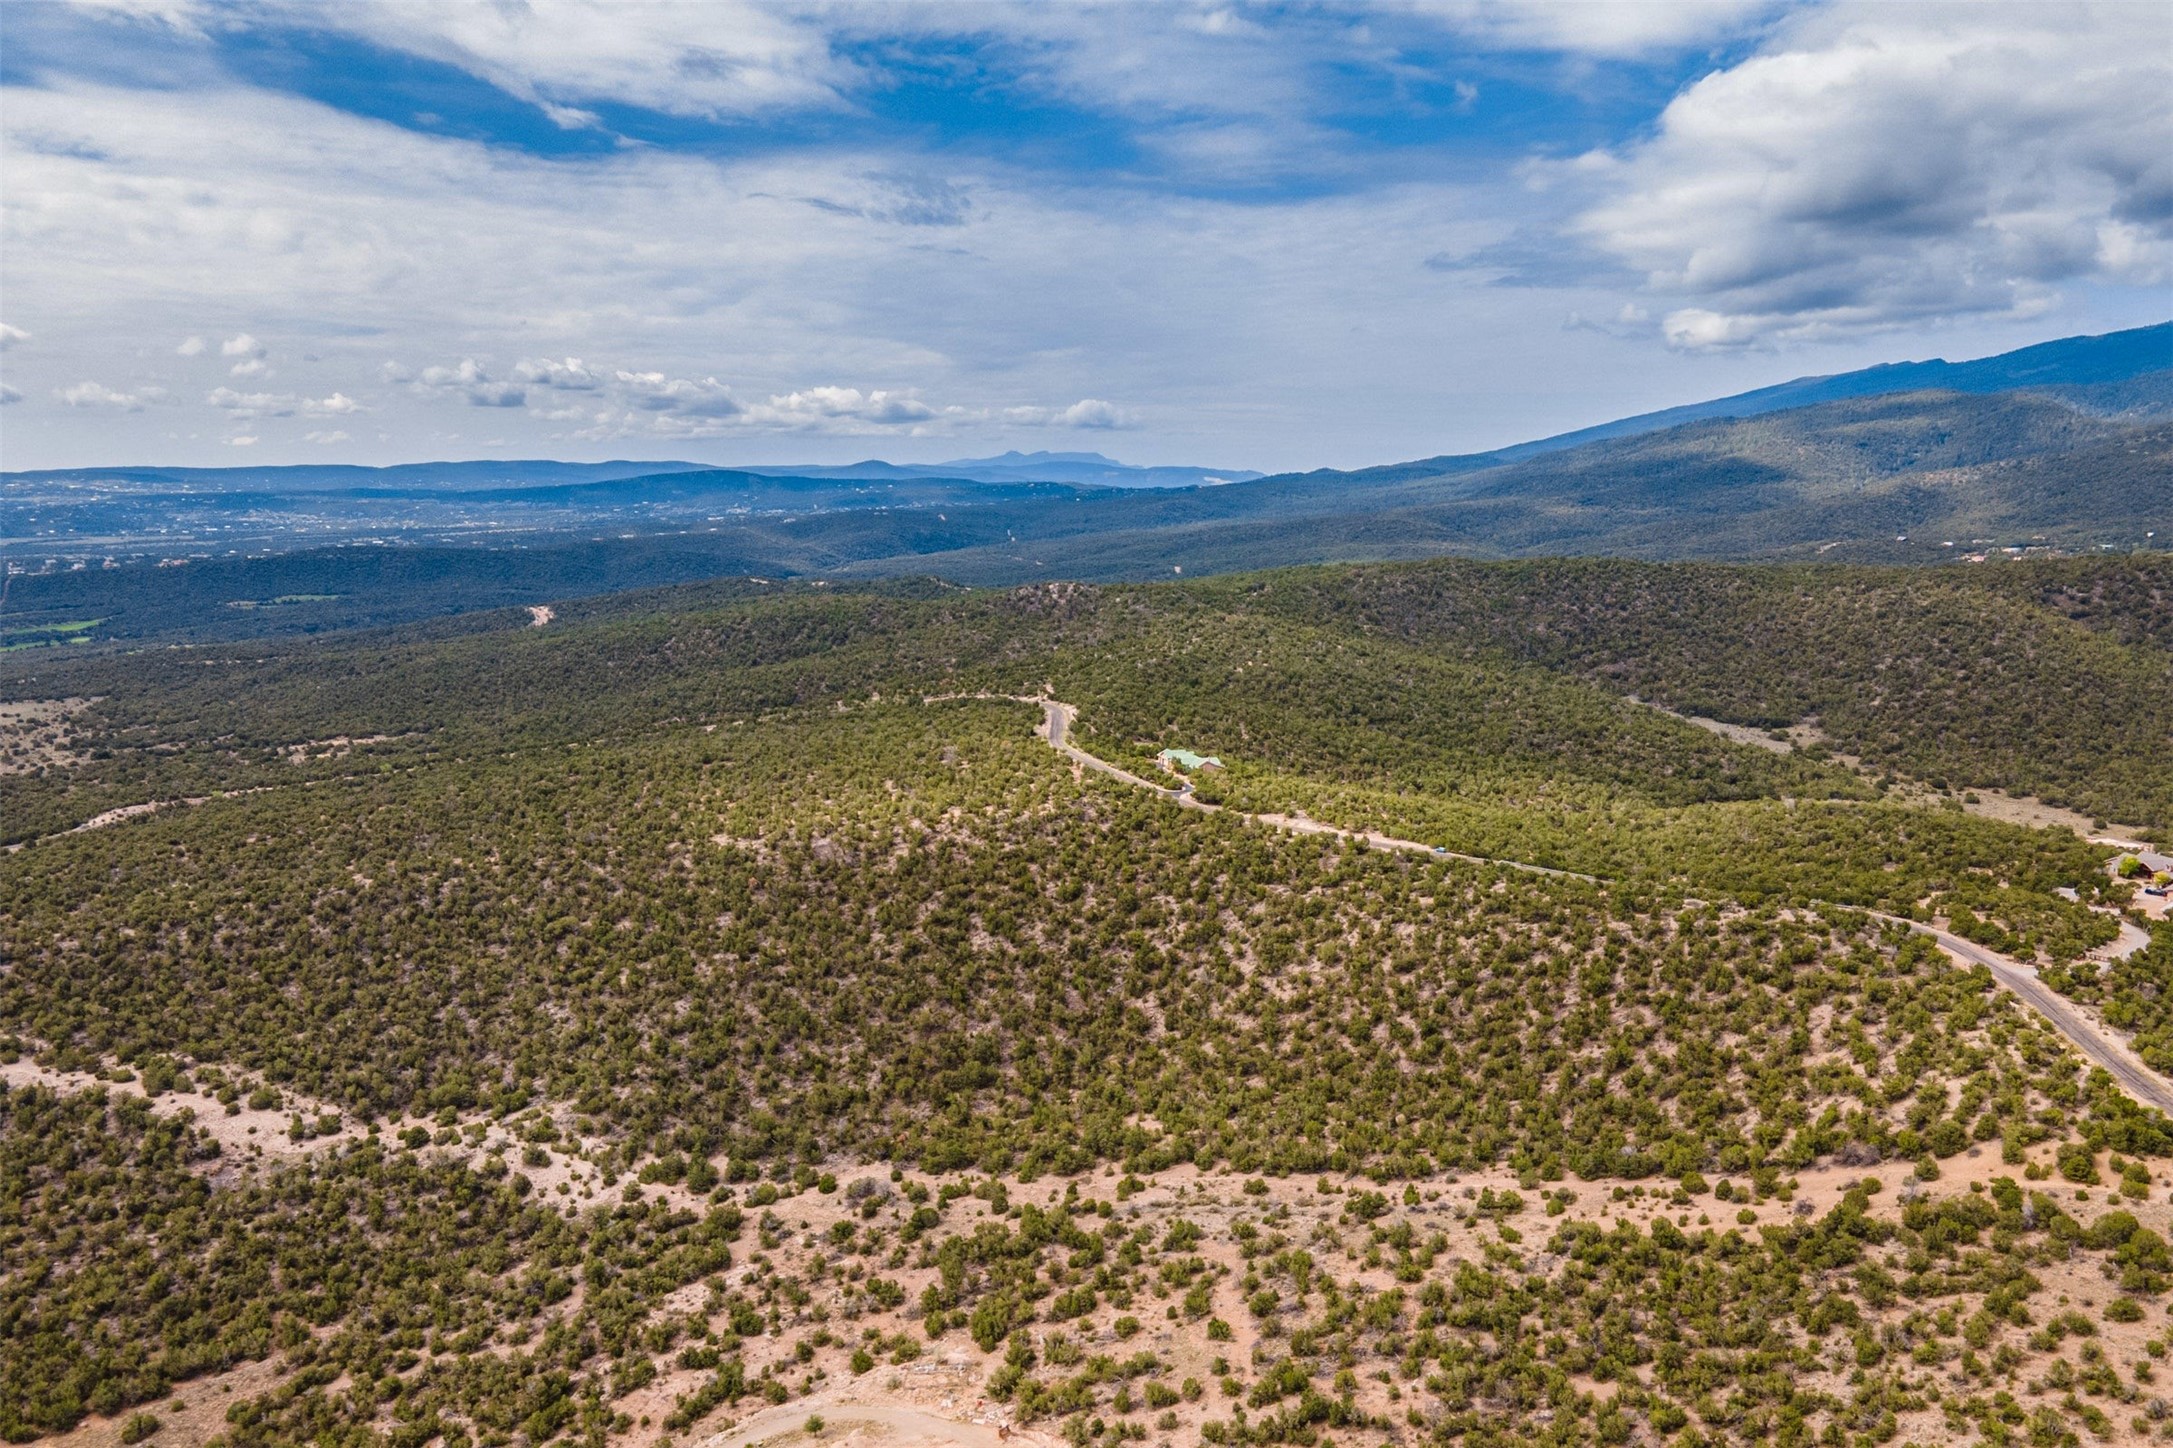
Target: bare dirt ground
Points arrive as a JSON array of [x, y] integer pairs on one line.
[[39, 734], [245, 1137], [848, 1420], [936, 1392], [2021, 809], [339, 746], [540, 614], [1798, 735], [195, 1413], [1992, 804]]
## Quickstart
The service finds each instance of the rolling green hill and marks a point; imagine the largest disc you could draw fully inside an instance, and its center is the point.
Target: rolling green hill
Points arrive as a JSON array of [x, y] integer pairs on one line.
[[492, 1033]]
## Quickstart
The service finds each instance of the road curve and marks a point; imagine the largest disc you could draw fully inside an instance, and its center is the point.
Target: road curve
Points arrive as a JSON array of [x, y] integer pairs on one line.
[[1056, 725], [2098, 1047]]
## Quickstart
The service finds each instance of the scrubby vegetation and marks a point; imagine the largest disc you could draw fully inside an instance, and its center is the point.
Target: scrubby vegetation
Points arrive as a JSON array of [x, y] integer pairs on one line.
[[972, 962], [2134, 993], [691, 1005]]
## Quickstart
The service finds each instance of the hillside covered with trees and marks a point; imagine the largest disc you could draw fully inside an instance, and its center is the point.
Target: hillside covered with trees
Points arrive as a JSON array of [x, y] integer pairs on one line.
[[720, 998]]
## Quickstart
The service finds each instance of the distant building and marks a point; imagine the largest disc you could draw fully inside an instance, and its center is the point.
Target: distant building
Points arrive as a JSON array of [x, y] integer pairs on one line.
[[1184, 761]]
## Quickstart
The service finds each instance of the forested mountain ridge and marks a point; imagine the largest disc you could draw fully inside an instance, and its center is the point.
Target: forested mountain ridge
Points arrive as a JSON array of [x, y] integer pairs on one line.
[[1945, 654], [1880, 475]]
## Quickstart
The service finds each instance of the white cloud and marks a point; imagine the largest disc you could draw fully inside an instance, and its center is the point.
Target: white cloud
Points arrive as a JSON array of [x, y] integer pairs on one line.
[[241, 346], [707, 273], [250, 404], [11, 336], [1088, 412], [8, 395], [1881, 165], [566, 375], [818, 407], [190, 347], [681, 396], [327, 438], [716, 58], [241, 442], [97, 394], [470, 380], [253, 367], [1289, 327], [339, 404]]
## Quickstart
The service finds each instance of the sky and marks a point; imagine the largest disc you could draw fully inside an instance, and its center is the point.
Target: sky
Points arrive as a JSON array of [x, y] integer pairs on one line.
[[1273, 237]]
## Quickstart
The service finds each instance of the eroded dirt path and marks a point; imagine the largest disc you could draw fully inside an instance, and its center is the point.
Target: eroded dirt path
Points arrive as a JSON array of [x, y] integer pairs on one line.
[[845, 1421]]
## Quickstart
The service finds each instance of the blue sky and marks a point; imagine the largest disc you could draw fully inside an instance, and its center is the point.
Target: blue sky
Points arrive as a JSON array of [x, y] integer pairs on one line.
[[1246, 236]]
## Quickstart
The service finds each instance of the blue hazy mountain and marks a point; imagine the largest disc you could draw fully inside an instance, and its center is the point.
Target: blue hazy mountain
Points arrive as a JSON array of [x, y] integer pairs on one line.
[[2129, 372], [2069, 364], [1088, 468]]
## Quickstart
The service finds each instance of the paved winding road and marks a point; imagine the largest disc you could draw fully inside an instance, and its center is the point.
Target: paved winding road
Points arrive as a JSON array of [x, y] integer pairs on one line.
[[2098, 1046]]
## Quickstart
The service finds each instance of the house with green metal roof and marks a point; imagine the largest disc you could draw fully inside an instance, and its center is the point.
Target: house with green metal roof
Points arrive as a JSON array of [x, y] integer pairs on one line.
[[1184, 761]]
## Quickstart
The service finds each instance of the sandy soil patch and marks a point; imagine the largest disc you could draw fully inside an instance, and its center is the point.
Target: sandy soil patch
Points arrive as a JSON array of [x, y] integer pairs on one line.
[[847, 1420], [246, 1136], [2021, 809], [939, 1394], [339, 746], [39, 734]]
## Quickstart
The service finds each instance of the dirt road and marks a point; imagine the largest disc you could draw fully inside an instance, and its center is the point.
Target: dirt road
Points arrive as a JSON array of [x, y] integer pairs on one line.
[[2098, 1046], [903, 1427], [1056, 725]]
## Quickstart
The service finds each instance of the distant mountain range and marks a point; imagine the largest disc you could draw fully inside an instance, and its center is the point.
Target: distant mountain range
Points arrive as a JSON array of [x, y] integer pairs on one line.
[[2066, 446], [1090, 469], [420, 479]]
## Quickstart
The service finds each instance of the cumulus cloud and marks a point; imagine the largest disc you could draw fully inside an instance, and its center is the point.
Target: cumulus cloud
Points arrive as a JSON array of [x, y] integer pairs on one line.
[[11, 336], [657, 404], [339, 404], [568, 374], [97, 394], [820, 407], [1881, 165], [681, 396], [1088, 412], [241, 346], [250, 404], [1287, 327], [241, 441], [190, 347], [472, 382], [327, 437]]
